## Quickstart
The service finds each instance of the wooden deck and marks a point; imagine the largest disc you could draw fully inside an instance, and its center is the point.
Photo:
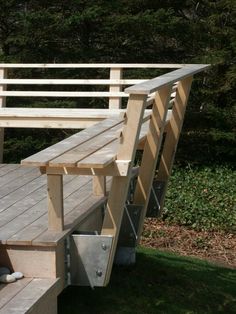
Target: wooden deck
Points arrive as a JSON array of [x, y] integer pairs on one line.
[[64, 188], [23, 205]]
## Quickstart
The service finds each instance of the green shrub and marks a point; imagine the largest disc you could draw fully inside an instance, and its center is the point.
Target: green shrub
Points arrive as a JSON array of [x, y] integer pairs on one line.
[[202, 198]]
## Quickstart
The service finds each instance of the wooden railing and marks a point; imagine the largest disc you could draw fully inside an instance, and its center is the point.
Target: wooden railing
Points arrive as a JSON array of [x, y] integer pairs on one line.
[[111, 150], [58, 117]]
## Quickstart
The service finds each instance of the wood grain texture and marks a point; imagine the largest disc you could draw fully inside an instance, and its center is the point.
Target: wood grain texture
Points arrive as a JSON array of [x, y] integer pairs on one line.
[[45, 156], [3, 75], [28, 298]]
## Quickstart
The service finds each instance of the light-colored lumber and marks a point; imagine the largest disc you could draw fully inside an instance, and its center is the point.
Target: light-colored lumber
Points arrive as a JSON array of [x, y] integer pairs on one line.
[[151, 152], [32, 221], [31, 261], [71, 81], [55, 202], [16, 189], [73, 156], [99, 185], [59, 112], [91, 65], [107, 154], [61, 94], [3, 75], [28, 298], [119, 188], [72, 221], [8, 168], [43, 157], [13, 175], [115, 102], [101, 158], [8, 292], [166, 79], [173, 132]]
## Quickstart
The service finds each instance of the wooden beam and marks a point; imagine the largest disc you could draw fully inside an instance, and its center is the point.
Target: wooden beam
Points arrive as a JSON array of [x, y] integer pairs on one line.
[[120, 185], [115, 102], [59, 94], [70, 81], [91, 65], [3, 75], [166, 79], [99, 185], [55, 202], [151, 151], [173, 132]]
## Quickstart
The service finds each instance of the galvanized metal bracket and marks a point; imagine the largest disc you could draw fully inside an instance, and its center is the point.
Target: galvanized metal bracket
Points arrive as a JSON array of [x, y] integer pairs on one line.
[[156, 195], [125, 252], [89, 257]]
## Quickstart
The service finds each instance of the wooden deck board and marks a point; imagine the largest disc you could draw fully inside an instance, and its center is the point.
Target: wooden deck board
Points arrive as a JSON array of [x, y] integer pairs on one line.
[[28, 296], [7, 292], [20, 183], [28, 217], [39, 226], [23, 211]]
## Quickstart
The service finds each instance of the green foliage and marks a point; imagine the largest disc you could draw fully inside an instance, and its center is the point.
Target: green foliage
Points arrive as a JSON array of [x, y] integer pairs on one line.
[[158, 283], [202, 198]]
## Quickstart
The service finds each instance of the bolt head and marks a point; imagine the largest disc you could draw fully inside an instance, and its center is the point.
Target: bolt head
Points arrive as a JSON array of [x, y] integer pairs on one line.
[[99, 273], [104, 247]]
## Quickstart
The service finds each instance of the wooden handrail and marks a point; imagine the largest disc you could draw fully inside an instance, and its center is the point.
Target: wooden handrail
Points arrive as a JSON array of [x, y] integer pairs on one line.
[[156, 83], [91, 65]]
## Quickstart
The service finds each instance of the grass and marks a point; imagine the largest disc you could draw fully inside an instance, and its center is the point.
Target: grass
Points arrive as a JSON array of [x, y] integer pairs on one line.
[[158, 283]]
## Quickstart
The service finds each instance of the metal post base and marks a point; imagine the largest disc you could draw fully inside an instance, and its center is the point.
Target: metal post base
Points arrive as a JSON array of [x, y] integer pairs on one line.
[[125, 256]]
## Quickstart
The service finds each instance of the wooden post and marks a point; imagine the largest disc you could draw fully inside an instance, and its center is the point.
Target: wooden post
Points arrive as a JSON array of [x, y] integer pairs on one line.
[[173, 132], [3, 74], [115, 102], [151, 151], [55, 202], [120, 185], [99, 185]]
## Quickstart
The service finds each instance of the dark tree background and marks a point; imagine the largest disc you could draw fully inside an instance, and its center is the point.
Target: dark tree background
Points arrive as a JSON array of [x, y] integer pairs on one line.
[[146, 31]]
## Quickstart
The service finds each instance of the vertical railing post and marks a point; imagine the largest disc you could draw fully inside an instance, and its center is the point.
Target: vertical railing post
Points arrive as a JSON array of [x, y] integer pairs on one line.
[[99, 185], [3, 74], [173, 133], [115, 102], [55, 202]]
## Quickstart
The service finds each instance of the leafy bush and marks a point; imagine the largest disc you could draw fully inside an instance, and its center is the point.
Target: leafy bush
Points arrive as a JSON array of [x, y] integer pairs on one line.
[[202, 198]]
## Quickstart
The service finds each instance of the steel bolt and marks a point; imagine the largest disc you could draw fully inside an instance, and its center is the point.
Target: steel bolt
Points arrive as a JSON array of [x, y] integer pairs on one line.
[[104, 247], [99, 273]]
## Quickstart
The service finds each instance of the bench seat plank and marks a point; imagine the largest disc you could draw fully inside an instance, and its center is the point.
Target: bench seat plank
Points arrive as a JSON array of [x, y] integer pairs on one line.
[[72, 157], [27, 298], [43, 157], [7, 292], [107, 154]]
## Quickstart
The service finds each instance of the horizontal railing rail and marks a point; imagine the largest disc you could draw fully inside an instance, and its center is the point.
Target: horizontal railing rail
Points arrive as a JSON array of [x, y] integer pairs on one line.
[[169, 78], [91, 65]]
